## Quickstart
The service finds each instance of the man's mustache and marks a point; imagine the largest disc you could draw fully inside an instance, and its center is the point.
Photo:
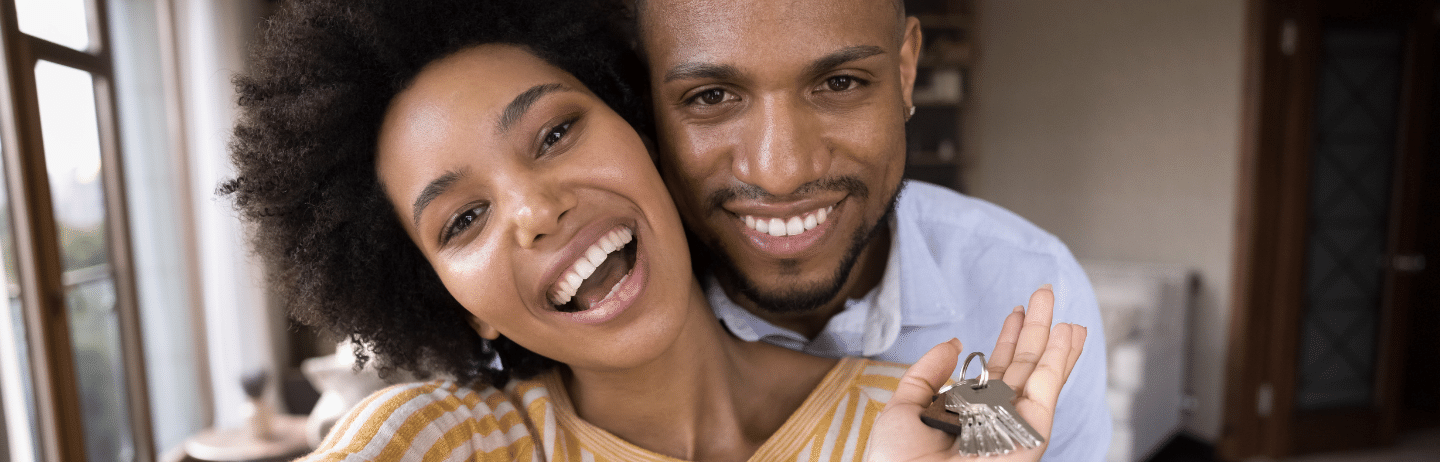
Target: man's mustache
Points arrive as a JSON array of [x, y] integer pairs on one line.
[[846, 184]]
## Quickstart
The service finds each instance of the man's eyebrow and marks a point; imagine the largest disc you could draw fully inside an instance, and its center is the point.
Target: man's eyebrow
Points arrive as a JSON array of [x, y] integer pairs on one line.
[[432, 191], [522, 103], [688, 71], [842, 56]]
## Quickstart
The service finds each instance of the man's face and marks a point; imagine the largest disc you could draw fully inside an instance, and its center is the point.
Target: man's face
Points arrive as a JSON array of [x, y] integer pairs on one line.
[[781, 128]]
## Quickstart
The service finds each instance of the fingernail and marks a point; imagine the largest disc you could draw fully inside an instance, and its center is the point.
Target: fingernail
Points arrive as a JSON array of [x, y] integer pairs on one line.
[[1047, 287], [1019, 309]]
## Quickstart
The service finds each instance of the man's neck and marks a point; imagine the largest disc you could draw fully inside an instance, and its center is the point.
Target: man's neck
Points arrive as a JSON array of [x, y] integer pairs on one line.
[[868, 272]]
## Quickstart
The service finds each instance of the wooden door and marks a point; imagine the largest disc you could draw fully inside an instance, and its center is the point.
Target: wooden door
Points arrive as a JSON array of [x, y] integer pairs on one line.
[[1339, 123]]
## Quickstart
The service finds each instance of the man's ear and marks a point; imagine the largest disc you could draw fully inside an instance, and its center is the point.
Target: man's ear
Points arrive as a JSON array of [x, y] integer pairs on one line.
[[486, 332], [909, 59]]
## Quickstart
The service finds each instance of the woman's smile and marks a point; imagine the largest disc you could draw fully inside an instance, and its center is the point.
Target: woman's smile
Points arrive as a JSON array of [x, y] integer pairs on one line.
[[595, 261]]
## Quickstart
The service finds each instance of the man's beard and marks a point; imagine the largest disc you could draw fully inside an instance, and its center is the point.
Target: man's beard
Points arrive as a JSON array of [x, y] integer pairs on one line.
[[797, 300]]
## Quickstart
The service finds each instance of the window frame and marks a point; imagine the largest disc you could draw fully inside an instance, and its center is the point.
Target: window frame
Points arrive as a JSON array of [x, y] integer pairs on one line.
[[60, 426]]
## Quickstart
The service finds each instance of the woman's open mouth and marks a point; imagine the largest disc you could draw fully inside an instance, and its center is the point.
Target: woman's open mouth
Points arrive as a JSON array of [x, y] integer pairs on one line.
[[595, 275]]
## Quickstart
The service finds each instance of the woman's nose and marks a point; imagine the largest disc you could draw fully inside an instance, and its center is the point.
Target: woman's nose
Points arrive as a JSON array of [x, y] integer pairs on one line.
[[536, 210]]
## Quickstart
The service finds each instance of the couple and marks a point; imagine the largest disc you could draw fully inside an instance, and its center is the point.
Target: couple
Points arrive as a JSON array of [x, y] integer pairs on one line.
[[458, 185]]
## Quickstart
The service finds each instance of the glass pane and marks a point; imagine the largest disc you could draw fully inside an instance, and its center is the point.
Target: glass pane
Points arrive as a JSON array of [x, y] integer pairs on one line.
[[1356, 106], [17, 391], [60, 21], [72, 157]]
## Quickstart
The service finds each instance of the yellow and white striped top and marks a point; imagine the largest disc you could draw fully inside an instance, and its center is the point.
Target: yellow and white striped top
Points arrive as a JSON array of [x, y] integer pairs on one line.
[[533, 420]]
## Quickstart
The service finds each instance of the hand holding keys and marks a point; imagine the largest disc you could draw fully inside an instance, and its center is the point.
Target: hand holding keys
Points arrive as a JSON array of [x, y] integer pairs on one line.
[[1030, 363], [980, 413]]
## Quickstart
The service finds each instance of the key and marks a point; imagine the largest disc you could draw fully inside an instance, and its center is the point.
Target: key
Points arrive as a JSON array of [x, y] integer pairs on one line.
[[981, 414]]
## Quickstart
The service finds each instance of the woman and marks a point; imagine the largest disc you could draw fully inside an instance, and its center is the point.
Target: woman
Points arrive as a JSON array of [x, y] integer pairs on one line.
[[455, 185]]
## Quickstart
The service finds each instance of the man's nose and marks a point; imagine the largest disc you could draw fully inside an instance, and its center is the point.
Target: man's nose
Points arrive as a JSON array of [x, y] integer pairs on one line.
[[782, 148], [535, 209]]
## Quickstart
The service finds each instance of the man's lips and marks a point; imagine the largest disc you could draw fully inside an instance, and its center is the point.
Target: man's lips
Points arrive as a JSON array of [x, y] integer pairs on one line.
[[786, 232], [790, 226]]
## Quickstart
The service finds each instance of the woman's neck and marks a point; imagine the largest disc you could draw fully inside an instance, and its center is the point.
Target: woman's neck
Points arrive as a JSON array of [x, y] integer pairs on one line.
[[717, 397]]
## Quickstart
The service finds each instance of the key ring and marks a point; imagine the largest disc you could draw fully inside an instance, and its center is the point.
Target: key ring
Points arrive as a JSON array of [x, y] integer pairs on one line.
[[984, 371]]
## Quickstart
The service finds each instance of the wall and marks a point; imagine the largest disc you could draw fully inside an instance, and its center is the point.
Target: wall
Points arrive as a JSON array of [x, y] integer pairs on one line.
[[1115, 125], [242, 334]]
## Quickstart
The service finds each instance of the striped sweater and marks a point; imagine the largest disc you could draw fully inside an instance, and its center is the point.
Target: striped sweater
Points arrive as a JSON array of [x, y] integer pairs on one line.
[[533, 420]]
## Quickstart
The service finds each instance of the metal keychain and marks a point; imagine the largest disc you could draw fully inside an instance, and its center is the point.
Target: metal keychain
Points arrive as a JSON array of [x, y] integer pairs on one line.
[[981, 414]]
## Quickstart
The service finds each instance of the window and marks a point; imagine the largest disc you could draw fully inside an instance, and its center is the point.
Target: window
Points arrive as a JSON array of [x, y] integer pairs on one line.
[[73, 381]]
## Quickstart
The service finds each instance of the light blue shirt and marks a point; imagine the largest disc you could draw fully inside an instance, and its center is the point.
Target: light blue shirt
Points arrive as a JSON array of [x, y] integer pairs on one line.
[[957, 267]]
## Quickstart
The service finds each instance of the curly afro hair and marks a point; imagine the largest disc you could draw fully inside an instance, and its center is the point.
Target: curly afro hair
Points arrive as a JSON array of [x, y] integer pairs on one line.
[[322, 75]]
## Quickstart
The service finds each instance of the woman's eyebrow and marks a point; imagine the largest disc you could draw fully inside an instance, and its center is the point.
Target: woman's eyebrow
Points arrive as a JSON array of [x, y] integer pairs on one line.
[[432, 191], [522, 103]]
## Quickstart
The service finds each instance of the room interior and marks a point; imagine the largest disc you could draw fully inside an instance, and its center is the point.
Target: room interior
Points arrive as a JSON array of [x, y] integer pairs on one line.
[[1178, 149]]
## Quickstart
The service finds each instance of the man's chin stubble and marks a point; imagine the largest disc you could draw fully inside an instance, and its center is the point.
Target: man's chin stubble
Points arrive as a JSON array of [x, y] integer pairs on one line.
[[802, 300]]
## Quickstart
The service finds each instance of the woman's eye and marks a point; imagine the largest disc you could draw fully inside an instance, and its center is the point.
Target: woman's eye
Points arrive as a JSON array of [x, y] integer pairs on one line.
[[555, 134], [462, 222]]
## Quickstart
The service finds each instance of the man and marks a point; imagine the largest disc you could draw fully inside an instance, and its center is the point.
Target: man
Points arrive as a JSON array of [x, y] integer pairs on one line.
[[781, 128]]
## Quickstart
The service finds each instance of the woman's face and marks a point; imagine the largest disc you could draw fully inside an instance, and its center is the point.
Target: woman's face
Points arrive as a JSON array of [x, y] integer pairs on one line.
[[539, 207]]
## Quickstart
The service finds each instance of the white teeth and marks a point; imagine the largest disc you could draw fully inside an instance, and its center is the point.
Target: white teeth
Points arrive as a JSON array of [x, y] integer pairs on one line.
[[790, 226], [564, 289], [595, 255], [584, 268]]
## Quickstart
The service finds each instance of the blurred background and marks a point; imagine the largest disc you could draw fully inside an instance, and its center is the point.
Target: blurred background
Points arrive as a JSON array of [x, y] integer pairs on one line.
[[1253, 187]]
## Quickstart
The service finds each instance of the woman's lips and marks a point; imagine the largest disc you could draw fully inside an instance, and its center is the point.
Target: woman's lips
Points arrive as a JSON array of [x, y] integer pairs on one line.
[[620, 297], [579, 275]]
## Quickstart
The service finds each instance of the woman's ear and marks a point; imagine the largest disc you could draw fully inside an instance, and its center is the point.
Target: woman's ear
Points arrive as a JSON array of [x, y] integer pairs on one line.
[[486, 332]]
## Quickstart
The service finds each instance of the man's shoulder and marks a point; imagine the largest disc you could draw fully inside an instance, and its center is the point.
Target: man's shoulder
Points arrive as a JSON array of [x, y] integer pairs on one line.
[[967, 262], [945, 219]]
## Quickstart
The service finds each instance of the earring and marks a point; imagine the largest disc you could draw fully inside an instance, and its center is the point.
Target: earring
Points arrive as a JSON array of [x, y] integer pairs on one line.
[[910, 114]]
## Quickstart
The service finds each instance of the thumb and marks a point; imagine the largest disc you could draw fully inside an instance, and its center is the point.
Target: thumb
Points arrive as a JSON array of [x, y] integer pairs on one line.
[[925, 377]]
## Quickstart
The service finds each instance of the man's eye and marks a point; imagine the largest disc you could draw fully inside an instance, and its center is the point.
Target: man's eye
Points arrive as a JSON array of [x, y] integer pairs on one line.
[[555, 134], [462, 222], [840, 83], [711, 97]]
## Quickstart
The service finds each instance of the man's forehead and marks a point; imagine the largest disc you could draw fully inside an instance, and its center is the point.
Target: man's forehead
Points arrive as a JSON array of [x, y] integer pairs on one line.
[[690, 29]]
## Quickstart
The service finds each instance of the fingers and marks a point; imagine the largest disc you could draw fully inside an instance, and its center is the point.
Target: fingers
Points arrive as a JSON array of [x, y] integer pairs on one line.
[[1042, 388], [999, 359], [925, 377], [1033, 338], [1077, 343]]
